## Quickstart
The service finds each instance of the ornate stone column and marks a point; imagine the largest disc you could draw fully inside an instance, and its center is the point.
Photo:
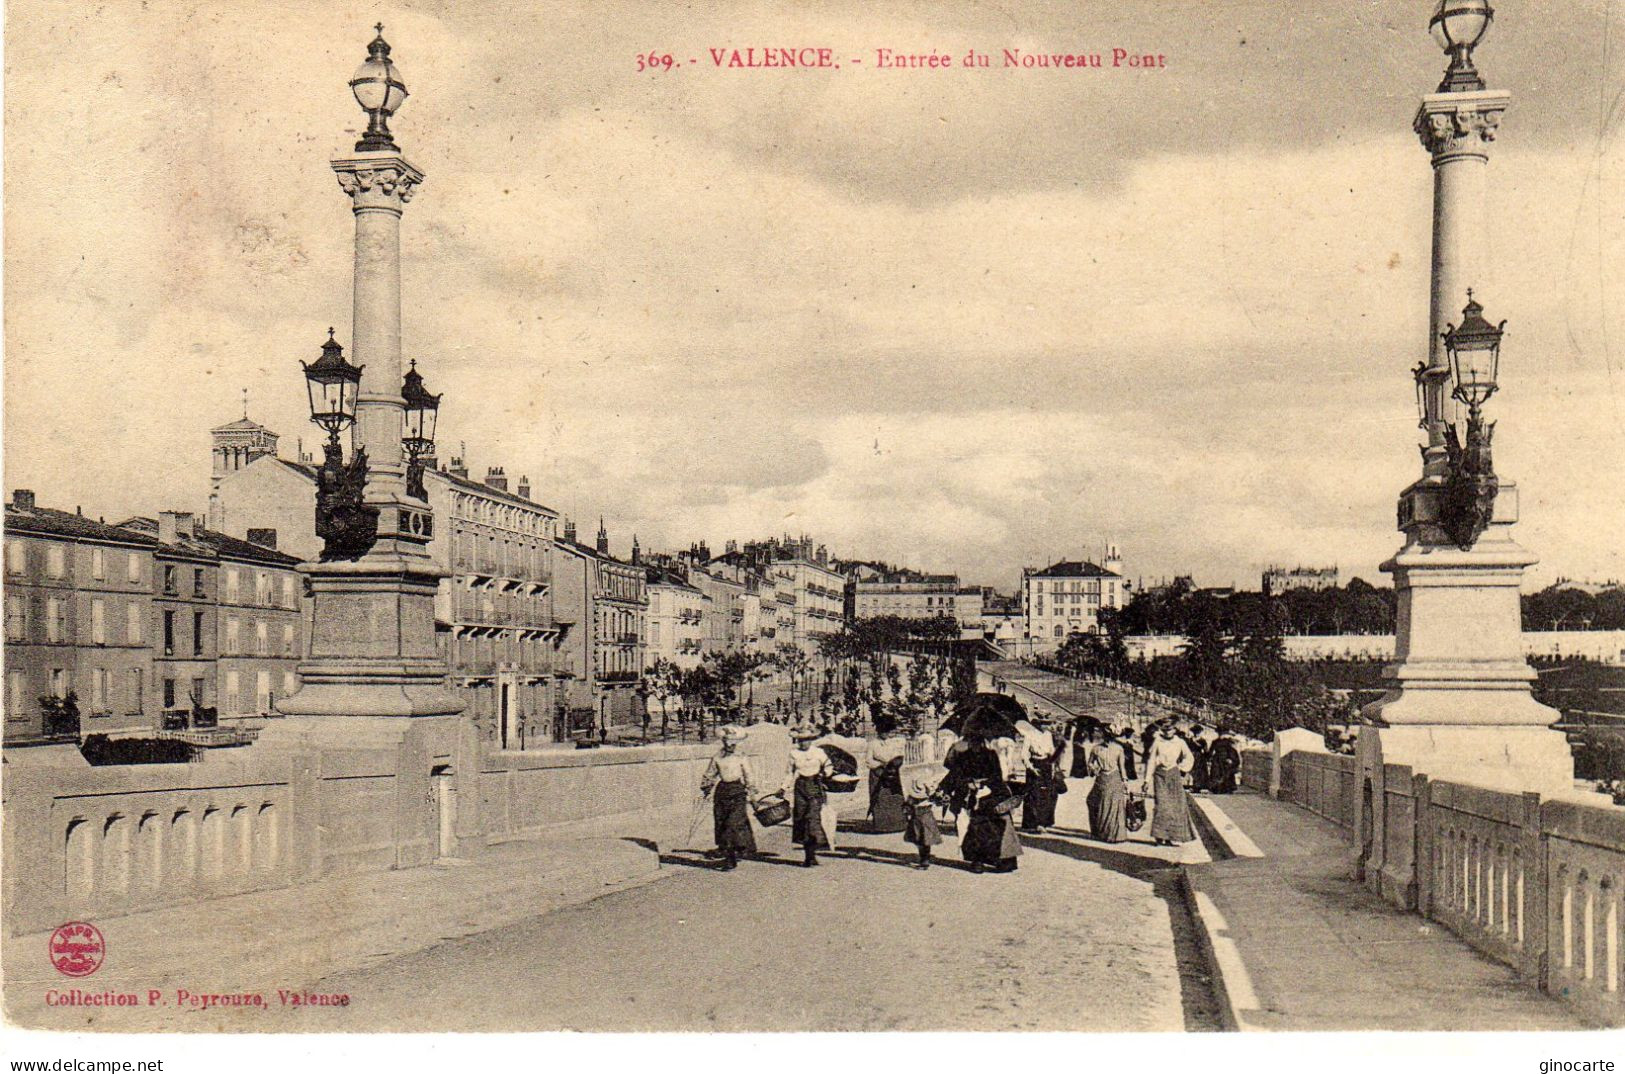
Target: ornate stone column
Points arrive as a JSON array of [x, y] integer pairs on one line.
[[372, 636], [1459, 705]]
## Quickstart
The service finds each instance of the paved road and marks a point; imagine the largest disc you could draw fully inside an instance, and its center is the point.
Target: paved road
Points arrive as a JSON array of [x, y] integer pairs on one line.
[[1083, 937]]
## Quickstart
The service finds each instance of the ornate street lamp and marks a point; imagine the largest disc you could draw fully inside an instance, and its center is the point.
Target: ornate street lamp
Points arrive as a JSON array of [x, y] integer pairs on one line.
[[1458, 26], [417, 437], [347, 526], [379, 90], [1475, 356], [1471, 485], [333, 385]]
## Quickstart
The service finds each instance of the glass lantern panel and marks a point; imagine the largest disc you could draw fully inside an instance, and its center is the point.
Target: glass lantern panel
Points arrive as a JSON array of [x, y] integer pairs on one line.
[[369, 88], [396, 92], [1465, 21]]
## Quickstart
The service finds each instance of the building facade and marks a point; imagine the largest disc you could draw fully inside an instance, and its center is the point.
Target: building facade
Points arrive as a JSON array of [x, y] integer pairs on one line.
[[494, 617], [1066, 598], [676, 622], [1278, 580], [78, 608], [228, 621], [620, 607]]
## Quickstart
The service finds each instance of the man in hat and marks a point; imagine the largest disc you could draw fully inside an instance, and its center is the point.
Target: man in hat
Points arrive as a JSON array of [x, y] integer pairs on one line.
[[808, 767], [732, 783]]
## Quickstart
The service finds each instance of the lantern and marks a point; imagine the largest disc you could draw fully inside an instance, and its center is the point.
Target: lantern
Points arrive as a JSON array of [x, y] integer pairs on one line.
[[419, 419], [1458, 26], [379, 90], [333, 384], [1475, 355]]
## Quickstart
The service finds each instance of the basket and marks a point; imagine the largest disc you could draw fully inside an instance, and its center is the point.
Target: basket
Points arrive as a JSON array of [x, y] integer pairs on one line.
[[840, 784], [771, 809], [1134, 814]]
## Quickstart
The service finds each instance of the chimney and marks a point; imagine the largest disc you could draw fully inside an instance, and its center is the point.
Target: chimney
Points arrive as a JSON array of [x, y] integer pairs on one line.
[[23, 499], [457, 469], [495, 478], [174, 526], [570, 531], [637, 554], [265, 538], [524, 487], [603, 537]]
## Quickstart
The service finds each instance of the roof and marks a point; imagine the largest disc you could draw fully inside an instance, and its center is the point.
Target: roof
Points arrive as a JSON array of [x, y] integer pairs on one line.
[[241, 424], [309, 473], [1074, 568], [209, 542], [49, 522], [662, 576]]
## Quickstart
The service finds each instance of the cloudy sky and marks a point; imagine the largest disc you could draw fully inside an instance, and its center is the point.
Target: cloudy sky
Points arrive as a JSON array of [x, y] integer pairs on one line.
[[963, 319]]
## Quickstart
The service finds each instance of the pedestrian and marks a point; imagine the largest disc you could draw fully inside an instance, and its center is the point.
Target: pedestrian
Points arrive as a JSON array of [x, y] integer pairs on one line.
[[1039, 798], [920, 782], [1193, 739], [1223, 764], [1108, 796], [977, 788], [886, 806], [1166, 765], [731, 782], [1131, 757], [809, 765]]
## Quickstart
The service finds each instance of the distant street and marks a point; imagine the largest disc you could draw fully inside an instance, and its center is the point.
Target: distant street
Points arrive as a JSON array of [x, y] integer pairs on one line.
[[1083, 937]]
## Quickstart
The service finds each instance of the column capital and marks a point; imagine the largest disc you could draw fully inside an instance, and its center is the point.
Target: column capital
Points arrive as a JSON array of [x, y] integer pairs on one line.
[[1453, 125], [377, 180]]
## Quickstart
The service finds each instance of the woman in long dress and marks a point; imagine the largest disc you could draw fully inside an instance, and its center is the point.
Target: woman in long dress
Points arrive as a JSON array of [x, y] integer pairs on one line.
[[1109, 794], [808, 767], [886, 813], [1223, 762], [1038, 802], [976, 787], [731, 782], [1166, 764]]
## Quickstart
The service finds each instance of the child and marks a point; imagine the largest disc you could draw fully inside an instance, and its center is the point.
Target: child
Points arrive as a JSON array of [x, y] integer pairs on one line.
[[919, 811]]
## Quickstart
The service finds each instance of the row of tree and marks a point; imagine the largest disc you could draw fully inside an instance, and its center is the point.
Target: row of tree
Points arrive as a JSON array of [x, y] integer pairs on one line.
[[1357, 608], [1235, 663]]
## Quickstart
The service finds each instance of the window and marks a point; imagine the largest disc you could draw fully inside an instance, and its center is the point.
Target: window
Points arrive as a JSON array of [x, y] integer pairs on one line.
[[98, 622], [290, 594], [234, 689], [133, 568], [16, 557], [98, 563], [262, 645], [234, 637], [262, 692], [59, 682], [171, 587], [289, 683], [288, 648], [16, 619], [169, 691], [1057, 630], [16, 685], [231, 585], [99, 690], [169, 650], [56, 560], [137, 695], [197, 582], [196, 696], [262, 588], [56, 619], [197, 633], [132, 623]]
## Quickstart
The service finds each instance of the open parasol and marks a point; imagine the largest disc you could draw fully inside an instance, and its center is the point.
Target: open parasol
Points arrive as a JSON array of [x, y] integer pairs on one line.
[[987, 715]]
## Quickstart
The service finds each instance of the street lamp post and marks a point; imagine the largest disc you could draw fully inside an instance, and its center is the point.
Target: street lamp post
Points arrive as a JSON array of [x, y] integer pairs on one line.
[[1458, 705], [372, 649]]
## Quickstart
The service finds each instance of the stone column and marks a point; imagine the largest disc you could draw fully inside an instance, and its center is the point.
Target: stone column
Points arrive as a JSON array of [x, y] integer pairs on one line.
[[372, 637], [1459, 706]]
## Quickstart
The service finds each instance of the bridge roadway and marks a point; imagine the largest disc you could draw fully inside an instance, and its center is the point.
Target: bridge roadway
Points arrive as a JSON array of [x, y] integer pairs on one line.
[[1082, 937]]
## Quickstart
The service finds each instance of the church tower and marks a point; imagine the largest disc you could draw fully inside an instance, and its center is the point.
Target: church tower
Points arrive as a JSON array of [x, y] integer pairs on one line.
[[237, 445]]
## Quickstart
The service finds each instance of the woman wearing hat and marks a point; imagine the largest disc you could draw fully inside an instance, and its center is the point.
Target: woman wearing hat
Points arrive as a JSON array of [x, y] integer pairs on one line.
[[730, 776], [975, 786], [808, 767], [1166, 763]]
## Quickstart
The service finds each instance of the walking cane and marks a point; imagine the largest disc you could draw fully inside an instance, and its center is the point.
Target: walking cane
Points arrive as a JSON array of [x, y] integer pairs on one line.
[[694, 821]]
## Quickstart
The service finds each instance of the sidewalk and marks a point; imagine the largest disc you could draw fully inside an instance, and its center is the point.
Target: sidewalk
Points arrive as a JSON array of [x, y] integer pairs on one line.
[[1301, 946], [292, 937]]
